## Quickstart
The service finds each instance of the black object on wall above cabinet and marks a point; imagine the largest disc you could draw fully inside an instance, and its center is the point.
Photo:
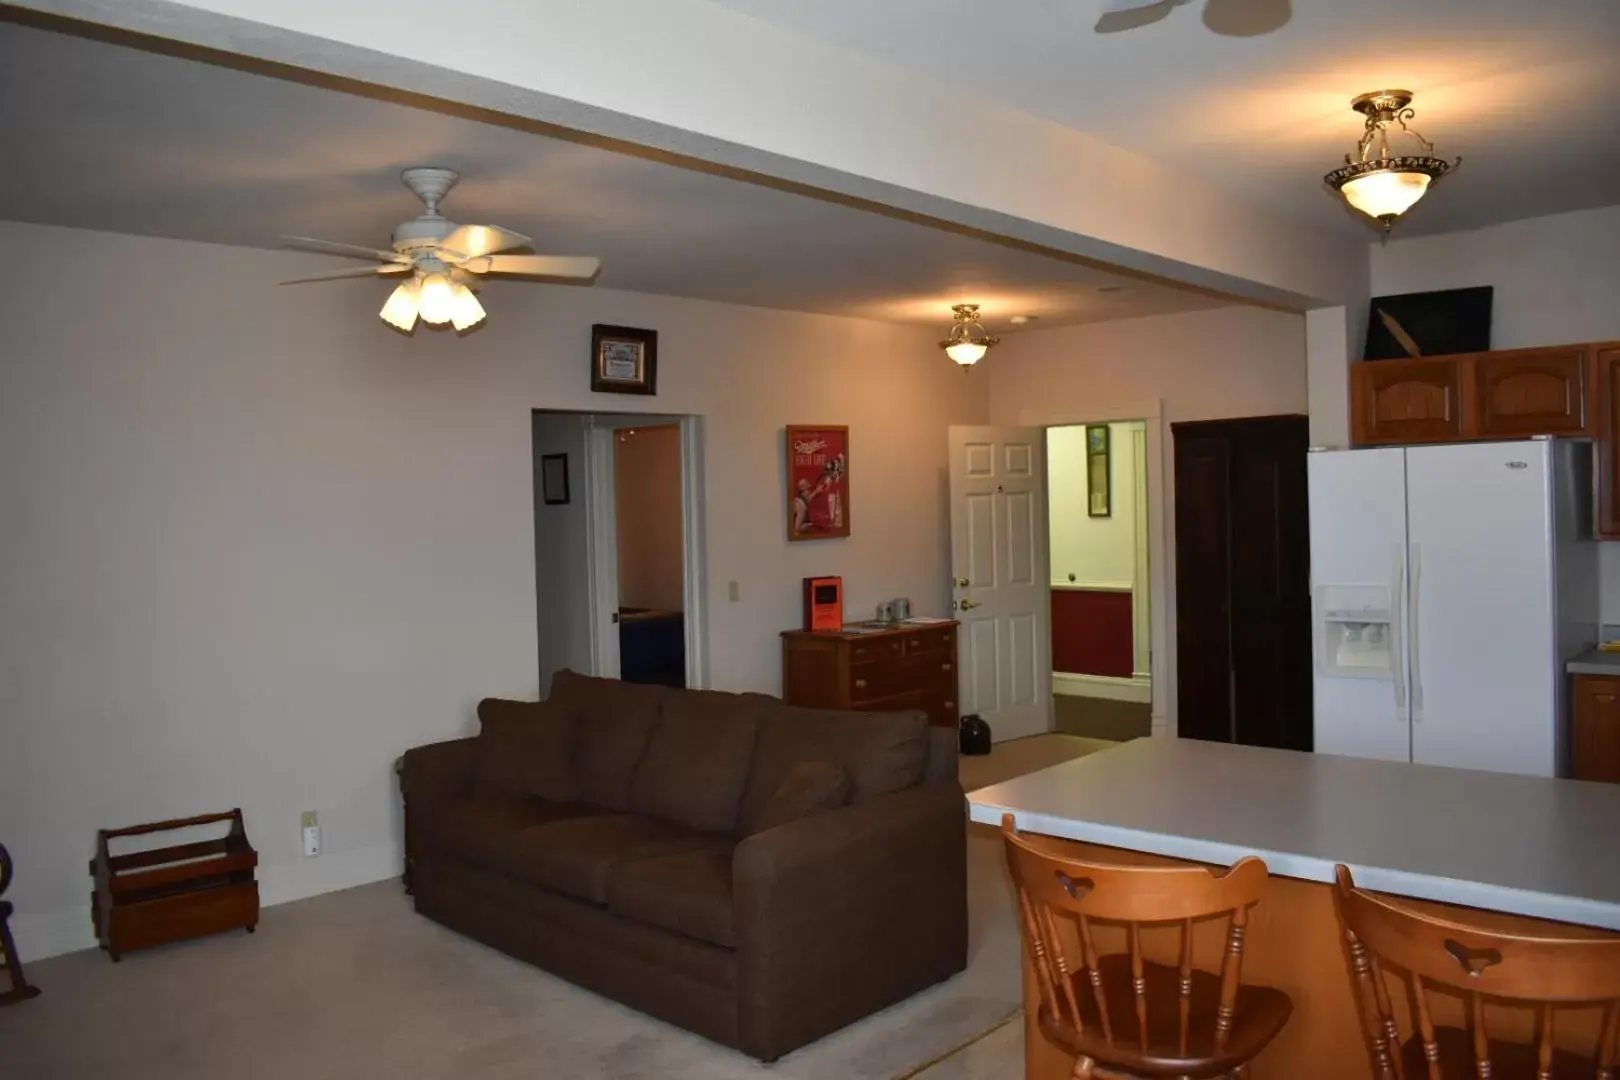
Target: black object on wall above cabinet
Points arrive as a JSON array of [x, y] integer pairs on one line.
[[1439, 323]]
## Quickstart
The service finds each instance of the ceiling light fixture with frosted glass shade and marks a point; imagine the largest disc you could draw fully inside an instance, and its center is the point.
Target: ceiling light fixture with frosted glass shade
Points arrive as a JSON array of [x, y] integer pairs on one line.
[[967, 342], [1379, 182]]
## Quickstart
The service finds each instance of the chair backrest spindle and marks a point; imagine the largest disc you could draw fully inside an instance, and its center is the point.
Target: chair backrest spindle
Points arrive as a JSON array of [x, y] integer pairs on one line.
[[1149, 1010], [1542, 975]]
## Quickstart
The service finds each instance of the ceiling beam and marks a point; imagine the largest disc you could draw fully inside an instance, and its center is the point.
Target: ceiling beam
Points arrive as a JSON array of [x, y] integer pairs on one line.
[[717, 89]]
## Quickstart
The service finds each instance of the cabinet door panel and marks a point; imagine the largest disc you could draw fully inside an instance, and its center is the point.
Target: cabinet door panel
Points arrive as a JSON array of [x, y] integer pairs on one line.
[[1407, 401], [1530, 392], [1596, 750], [1607, 367]]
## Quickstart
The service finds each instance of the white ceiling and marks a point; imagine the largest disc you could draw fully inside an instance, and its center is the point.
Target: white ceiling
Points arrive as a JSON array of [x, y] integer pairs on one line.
[[1527, 91], [106, 136]]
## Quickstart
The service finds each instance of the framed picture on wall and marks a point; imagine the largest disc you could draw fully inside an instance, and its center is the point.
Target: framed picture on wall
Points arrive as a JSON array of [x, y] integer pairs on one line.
[[554, 479], [817, 481], [1099, 497], [624, 360]]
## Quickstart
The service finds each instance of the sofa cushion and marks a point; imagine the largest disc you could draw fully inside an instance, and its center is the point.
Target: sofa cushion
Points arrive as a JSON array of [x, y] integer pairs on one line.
[[525, 748], [810, 787], [689, 893], [575, 856], [697, 760], [477, 829], [882, 752], [614, 720]]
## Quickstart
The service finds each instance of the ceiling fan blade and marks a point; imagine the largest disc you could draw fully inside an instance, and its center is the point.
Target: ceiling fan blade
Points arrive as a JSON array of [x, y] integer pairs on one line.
[[353, 251], [577, 267], [359, 271], [474, 241]]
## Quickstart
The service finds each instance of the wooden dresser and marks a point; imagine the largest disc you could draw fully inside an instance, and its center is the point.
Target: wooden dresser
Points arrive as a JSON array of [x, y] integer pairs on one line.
[[889, 670]]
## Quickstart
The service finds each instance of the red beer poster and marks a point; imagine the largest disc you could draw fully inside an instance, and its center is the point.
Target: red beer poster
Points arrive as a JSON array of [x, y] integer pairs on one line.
[[818, 481]]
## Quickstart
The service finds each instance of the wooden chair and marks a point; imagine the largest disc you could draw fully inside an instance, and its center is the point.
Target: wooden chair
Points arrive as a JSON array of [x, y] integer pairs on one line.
[[1120, 1014], [1540, 978], [20, 990]]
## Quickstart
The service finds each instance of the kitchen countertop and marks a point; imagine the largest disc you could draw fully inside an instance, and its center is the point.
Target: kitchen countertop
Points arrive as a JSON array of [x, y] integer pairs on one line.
[[1520, 844], [1593, 662]]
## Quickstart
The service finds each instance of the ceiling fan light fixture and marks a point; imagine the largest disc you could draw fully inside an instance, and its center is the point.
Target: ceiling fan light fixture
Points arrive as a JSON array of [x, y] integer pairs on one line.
[[465, 311], [1376, 181], [436, 301], [400, 310], [967, 342]]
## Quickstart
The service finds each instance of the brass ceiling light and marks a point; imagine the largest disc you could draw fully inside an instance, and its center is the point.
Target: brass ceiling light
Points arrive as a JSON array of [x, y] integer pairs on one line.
[[1381, 184], [967, 342]]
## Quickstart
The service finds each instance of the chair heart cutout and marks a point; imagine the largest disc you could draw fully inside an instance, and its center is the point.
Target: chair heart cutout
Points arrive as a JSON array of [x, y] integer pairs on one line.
[[1473, 961]]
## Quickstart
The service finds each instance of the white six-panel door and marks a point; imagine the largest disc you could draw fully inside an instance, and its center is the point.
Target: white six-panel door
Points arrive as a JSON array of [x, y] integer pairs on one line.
[[999, 558]]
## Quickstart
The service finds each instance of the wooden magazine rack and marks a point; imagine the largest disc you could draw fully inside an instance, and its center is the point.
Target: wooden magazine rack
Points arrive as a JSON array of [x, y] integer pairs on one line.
[[152, 897]]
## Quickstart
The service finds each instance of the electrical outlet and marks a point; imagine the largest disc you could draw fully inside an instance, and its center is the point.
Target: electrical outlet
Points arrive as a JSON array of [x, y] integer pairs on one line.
[[734, 590], [312, 833]]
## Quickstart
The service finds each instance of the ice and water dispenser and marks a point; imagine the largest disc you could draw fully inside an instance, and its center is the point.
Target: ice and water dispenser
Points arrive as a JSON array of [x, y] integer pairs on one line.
[[1357, 631]]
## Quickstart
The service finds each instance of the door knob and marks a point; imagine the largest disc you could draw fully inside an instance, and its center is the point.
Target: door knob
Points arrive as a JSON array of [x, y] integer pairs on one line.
[[962, 583], [967, 605]]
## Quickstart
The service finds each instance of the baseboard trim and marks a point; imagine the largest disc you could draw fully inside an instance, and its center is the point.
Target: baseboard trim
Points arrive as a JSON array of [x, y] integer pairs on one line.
[[1111, 687], [1161, 726], [65, 930]]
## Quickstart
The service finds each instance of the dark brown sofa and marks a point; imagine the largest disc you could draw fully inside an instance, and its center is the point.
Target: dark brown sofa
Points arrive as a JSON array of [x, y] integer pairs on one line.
[[757, 873]]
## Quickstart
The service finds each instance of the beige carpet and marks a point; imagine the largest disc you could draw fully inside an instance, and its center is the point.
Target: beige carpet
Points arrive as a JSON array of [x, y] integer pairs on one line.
[[355, 985], [1016, 757]]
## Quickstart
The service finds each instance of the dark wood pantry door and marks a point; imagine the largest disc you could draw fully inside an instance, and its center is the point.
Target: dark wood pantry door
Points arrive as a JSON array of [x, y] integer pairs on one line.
[[1243, 604]]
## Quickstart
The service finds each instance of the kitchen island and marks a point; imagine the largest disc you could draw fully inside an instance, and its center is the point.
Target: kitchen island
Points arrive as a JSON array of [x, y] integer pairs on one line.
[[1521, 853]]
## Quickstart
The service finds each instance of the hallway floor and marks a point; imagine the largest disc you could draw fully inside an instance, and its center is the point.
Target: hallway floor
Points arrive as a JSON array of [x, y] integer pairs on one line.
[[1100, 718]]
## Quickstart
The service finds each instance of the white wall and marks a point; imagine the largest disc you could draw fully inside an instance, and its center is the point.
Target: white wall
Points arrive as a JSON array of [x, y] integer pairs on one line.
[[1097, 551], [255, 544], [647, 490], [1557, 281], [1201, 365]]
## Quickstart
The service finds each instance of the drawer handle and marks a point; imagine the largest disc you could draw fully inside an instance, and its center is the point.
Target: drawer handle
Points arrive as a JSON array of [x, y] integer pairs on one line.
[[944, 667], [950, 704], [860, 684]]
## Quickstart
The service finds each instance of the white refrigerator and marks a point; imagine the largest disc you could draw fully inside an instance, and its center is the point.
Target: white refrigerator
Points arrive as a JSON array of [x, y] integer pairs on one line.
[[1450, 584]]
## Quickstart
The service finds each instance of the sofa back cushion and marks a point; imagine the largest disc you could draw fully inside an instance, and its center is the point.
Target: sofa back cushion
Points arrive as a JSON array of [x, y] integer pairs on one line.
[[697, 762], [810, 787], [525, 748], [881, 752], [613, 721]]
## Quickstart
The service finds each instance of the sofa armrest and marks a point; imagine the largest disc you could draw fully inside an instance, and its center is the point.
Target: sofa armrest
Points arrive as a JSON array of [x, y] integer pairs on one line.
[[438, 770], [842, 913]]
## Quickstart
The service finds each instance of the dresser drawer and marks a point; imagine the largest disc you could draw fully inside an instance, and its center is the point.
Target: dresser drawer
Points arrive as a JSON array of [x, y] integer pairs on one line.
[[931, 671], [942, 640], [872, 681], [874, 650]]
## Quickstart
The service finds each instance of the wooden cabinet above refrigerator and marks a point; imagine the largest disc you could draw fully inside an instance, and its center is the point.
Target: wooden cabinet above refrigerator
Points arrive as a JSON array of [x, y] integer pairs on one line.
[[1493, 395], [1568, 390]]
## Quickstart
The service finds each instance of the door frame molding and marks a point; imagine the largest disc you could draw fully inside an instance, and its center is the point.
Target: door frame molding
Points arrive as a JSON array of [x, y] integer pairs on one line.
[[1159, 553], [602, 560]]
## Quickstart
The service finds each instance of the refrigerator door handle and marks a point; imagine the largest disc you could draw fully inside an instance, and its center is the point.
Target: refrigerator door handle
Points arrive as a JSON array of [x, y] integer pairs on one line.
[[1414, 630], [1397, 599]]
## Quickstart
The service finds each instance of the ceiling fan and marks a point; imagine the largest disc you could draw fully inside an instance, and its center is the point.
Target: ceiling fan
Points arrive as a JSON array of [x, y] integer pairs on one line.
[[445, 261], [1232, 18]]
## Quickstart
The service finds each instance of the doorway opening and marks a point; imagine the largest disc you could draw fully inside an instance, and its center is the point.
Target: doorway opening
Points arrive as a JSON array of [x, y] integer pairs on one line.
[[1097, 513], [650, 549], [618, 512]]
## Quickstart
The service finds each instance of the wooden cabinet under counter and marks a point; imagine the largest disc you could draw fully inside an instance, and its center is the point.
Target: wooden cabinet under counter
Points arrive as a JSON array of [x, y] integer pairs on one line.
[[910, 666], [1595, 738]]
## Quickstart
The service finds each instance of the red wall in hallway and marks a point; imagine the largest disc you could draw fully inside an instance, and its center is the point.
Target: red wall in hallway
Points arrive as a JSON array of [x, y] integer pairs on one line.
[[1091, 632]]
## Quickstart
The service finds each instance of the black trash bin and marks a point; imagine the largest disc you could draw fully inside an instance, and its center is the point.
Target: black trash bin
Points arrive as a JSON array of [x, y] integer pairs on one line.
[[974, 735]]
